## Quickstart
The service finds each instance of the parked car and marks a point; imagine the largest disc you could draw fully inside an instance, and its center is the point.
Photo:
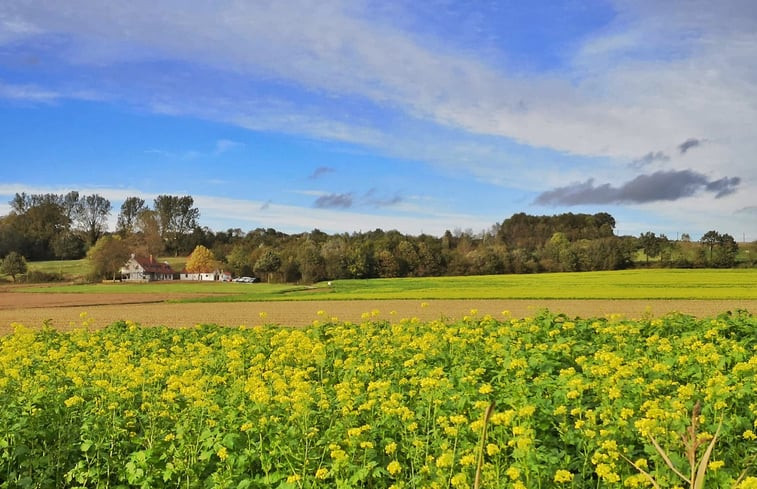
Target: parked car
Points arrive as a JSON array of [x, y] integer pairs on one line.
[[246, 280]]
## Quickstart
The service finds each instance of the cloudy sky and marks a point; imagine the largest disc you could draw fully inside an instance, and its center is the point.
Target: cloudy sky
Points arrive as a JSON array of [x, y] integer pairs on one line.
[[349, 115]]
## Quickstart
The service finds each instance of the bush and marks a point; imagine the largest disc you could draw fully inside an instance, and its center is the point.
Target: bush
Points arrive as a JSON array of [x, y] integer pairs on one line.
[[38, 277]]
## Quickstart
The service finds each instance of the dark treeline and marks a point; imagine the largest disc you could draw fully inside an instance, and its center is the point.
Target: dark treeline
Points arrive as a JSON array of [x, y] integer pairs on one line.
[[50, 226]]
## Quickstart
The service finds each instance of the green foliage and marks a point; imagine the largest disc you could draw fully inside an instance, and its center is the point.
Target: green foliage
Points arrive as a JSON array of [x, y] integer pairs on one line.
[[41, 277], [109, 254], [380, 403], [268, 263], [13, 264]]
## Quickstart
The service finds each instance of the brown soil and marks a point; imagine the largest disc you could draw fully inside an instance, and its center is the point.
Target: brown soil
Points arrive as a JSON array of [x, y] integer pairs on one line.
[[64, 310], [27, 300]]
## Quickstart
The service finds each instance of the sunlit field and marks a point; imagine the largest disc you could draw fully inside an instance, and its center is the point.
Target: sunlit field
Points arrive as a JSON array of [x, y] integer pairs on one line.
[[578, 403], [624, 284]]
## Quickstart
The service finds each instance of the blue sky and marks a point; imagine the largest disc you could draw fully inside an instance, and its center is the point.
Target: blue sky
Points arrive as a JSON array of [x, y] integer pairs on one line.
[[417, 116]]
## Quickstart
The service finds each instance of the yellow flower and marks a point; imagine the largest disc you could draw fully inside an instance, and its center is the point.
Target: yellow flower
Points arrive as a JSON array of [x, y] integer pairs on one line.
[[715, 465], [492, 449], [605, 472], [390, 448], [563, 476], [293, 478], [513, 472], [322, 473], [459, 480], [222, 453], [394, 467], [73, 401], [445, 460], [485, 389], [748, 483], [466, 460]]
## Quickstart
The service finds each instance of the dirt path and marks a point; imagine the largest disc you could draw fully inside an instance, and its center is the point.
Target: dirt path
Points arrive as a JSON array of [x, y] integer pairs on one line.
[[65, 315]]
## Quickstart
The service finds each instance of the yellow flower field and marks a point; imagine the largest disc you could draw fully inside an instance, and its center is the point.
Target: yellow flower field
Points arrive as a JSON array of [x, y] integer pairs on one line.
[[383, 403]]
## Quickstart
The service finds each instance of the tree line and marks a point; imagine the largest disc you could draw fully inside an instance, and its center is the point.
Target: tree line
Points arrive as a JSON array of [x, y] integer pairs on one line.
[[70, 226]]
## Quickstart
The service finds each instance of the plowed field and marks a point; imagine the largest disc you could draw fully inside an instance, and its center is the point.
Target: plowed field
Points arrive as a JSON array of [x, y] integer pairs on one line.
[[64, 310]]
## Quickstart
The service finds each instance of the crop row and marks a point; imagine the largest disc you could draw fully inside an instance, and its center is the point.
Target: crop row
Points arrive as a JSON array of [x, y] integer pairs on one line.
[[576, 403]]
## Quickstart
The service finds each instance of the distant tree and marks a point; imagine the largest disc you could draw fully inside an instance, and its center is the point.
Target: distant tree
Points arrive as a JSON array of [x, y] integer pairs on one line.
[[108, 255], [239, 260], [127, 218], [312, 264], [201, 261], [727, 250], [91, 215], [268, 263], [685, 237], [177, 216], [13, 264], [147, 238], [709, 240], [67, 245], [386, 264], [650, 244]]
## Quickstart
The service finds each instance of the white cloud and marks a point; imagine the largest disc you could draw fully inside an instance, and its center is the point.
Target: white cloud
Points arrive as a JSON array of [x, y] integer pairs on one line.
[[27, 92], [658, 74]]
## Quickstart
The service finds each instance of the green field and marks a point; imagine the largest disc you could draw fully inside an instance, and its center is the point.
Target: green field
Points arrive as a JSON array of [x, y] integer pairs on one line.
[[624, 284], [79, 269], [69, 269]]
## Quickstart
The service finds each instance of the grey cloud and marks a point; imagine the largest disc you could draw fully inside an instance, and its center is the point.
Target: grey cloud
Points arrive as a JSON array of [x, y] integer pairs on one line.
[[688, 144], [661, 185], [370, 199], [348, 200], [332, 201], [387, 202], [748, 210], [320, 171], [724, 186], [648, 159]]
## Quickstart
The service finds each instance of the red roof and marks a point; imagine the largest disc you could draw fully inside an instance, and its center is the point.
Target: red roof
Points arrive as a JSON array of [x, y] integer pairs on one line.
[[152, 266]]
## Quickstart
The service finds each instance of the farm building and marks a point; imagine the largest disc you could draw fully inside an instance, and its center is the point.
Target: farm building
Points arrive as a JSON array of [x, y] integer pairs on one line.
[[140, 269], [217, 275]]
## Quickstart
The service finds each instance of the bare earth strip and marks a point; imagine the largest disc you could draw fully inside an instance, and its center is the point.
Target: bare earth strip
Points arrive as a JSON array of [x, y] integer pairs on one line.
[[65, 312]]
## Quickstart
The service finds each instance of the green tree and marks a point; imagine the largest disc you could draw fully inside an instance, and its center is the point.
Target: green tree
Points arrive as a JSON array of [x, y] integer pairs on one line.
[[650, 244], [312, 264], [268, 263], [13, 264], [127, 218], [177, 216], [727, 249], [239, 260], [108, 255], [709, 240], [201, 261]]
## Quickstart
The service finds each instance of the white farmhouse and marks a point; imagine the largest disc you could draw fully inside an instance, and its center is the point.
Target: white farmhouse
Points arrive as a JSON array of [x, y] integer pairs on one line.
[[139, 269], [216, 275]]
